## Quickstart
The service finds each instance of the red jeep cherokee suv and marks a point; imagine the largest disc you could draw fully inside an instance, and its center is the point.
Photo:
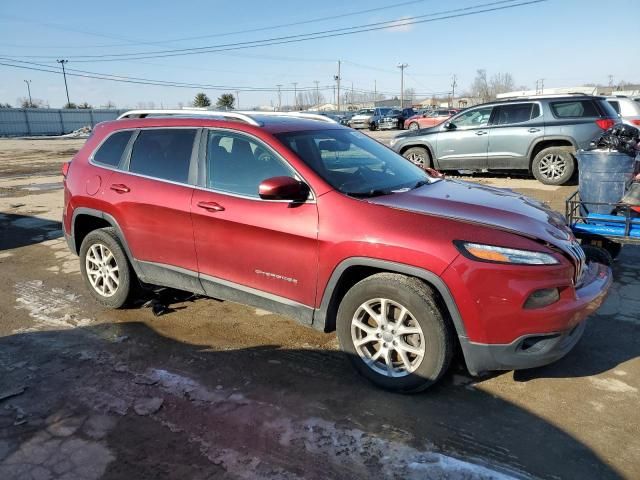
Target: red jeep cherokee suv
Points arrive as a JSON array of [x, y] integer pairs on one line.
[[301, 216]]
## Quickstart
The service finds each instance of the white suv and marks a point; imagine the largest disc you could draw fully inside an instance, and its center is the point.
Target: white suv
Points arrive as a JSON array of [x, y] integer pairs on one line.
[[628, 109]]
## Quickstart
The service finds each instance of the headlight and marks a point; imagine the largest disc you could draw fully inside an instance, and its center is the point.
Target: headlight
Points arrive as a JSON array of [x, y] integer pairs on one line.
[[490, 253]]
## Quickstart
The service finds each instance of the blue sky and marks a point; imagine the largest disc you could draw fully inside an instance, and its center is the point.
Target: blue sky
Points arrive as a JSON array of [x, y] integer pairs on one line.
[[566, 42]]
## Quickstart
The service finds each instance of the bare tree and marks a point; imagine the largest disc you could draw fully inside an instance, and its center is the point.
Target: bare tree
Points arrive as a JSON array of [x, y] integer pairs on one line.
[[488, 89], [480, 86], [501, 83]]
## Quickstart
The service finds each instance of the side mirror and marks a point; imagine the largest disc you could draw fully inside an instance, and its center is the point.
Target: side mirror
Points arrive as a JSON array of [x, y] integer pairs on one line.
[[449, 126], [283, 188]]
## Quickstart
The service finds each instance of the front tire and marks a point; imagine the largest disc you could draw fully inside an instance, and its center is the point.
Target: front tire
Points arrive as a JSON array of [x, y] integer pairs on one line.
[[414, 126], [554, 165], [419, 156], [105, 268], [394, 333], [597, 254]]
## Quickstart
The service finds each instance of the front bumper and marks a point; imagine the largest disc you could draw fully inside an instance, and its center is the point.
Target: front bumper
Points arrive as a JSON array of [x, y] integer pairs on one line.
[[536, 349], [359, 124], [388, 124]]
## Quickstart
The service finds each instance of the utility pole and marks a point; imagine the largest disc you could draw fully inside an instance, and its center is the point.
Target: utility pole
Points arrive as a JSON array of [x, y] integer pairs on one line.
[[402, 66], [279, 97], [610, 80], [375, 92], [64, 74], [352, 96], [29, 90], [237, 100], [454, 84], [337, 79], [317, 94], [295, 95]]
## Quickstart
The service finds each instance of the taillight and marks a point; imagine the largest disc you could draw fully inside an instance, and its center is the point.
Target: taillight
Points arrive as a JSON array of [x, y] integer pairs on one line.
[[636, 122], [65, 168], [605, 123]]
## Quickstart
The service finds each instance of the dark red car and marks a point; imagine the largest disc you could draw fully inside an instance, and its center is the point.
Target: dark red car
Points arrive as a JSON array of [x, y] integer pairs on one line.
[[316, 221]]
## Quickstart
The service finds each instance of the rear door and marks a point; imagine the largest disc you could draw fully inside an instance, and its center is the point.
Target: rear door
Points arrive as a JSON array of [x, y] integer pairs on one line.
[[261, 247], [512, 130], [152, 202], [465, 145]]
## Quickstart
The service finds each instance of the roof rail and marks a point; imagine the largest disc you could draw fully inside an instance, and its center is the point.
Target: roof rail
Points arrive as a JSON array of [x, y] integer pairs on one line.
[[310, 116], [249, 117], [190, 113]]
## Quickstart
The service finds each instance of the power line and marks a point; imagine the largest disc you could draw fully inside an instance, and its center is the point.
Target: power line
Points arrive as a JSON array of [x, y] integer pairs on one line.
[[443, 15]]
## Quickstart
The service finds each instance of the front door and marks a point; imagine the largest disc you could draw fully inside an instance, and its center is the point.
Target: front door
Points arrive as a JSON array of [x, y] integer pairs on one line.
[[464, 145], [263, 248], [513, 129]]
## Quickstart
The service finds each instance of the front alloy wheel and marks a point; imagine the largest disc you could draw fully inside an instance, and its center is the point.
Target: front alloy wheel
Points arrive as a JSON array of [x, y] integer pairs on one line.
[[418, 156], [387, 337], [553, 166]]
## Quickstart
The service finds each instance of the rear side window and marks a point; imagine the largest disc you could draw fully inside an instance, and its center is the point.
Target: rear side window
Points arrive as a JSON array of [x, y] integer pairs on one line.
[[110, 152], [574, 108], [509, 114], [615, 105], [163, 153]]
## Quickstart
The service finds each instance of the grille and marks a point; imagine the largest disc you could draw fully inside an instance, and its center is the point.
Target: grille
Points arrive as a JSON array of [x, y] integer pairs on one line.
[[579, 260]]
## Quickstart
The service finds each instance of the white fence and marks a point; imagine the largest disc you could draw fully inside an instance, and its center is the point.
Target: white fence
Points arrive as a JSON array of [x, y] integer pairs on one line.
[[20, 122]]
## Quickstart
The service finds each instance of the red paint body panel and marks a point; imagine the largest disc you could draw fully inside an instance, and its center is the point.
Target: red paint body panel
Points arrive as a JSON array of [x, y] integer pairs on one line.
[[292, 250]]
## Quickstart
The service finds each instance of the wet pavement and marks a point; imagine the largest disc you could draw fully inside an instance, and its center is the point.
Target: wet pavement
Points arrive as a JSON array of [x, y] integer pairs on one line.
[[218, 390]]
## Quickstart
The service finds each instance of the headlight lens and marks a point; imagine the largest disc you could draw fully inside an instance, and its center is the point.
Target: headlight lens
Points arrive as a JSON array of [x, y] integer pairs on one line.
[[490, 253]]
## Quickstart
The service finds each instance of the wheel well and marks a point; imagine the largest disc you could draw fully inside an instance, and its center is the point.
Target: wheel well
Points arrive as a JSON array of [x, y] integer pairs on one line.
[[546, 144], [404, 149], [355, 274], [84, 224]]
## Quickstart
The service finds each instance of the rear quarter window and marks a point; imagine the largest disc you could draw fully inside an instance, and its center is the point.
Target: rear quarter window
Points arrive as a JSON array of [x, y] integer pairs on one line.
[[574, 109], [111, 150]]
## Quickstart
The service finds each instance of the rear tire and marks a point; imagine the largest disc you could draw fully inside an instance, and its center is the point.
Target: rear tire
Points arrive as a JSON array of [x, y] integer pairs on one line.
[[419, 156], [598, 255], [554, 165], [106, 269], [405, 346], [414, 126]]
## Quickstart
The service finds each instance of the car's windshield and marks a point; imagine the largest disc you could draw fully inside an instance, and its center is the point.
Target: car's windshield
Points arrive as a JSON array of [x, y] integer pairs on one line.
[[353, 163]]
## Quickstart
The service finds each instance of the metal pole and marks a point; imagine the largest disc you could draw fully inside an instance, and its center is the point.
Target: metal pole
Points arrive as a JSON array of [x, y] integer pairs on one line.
[[338, 80], [64, 74], [29, 90], [295, 95], [402, 66], [375, 92], [279, 97], [454, 84], [317, 94], [237, 100]]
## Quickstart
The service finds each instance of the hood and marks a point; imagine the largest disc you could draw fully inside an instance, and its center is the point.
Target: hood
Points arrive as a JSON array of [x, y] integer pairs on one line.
[[495, 207], [362, 116]]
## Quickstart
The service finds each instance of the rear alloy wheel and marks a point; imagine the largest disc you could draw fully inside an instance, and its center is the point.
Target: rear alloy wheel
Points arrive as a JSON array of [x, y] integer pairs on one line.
[[418, 156], [554, 165], [414, 126], [394, 332], [105, 268]]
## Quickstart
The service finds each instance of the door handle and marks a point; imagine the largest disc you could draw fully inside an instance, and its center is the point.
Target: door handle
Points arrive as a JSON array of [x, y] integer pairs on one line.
[[481, 132], [211, 206], [120, 188], [534, 130]]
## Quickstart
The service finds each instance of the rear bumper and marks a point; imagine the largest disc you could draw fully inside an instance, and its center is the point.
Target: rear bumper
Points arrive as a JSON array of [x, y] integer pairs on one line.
[[537, 349]]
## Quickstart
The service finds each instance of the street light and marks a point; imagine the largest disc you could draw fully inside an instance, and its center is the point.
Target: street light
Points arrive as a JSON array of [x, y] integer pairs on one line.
[[402, 66], [28, 82]]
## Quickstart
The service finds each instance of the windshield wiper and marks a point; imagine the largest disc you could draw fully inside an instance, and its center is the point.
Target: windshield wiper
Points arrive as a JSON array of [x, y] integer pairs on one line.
[[369, 194]]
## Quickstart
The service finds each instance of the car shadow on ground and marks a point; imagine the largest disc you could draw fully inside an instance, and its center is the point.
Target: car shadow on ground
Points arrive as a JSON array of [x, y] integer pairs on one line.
[[169, 409], [22, 230]]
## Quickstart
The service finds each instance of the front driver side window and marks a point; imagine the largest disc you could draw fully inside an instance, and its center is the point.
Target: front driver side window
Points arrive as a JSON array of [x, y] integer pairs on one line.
[[237, 164], [473, 118]]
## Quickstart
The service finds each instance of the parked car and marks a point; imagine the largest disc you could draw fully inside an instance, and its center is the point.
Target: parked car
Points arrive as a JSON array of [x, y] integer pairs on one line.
[[303, 217], [628, 109], [428, 119], [395, 119], [540, 134], [368, 117]]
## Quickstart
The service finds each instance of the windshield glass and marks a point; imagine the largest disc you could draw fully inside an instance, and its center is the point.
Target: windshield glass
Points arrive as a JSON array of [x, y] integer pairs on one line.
[[353, 163]]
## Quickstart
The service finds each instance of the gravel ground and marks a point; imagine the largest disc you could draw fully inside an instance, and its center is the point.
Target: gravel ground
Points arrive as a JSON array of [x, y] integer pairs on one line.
[[218, 390]]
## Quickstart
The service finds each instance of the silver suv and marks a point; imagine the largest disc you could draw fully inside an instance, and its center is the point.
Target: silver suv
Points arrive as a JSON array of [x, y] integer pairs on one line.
[[628, 108], [540, 134]]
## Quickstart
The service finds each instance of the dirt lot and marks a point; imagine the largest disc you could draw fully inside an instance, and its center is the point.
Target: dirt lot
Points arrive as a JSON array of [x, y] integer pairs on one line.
[[217, 390]]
